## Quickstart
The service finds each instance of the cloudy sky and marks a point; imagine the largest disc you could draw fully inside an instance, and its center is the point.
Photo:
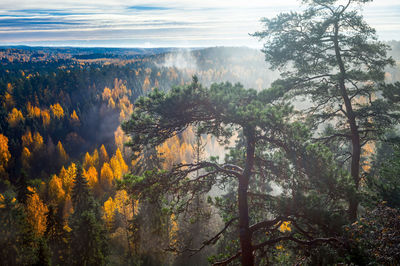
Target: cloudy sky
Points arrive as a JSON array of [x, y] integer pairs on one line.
[[156, 23]]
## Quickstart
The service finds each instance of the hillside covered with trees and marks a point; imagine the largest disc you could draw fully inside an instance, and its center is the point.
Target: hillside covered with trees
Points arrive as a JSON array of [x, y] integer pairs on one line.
[[225, 156]]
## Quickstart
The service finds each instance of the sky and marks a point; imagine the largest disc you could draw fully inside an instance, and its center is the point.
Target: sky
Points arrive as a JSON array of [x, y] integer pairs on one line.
[[156, 23]]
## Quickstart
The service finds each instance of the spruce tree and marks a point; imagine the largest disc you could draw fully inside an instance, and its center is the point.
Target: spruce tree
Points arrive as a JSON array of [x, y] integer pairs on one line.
[[88, 235]]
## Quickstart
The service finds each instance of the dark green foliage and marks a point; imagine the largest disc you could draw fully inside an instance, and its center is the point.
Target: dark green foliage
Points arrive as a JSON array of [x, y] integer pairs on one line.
[[18, 244], [332, 57], [384, 179], [88, 236], [43, 254], [375, 238], [313, 189]]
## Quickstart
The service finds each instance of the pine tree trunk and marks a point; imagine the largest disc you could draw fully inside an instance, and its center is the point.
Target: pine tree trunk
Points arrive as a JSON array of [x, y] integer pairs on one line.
[[355, 136], [244, 231]]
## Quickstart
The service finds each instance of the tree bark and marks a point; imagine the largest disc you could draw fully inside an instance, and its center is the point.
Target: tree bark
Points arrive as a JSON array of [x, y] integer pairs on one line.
[[245, 234], [355, 136]]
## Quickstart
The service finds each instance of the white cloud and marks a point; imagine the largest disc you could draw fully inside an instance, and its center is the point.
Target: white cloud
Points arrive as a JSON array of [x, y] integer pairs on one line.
[[188, 22]]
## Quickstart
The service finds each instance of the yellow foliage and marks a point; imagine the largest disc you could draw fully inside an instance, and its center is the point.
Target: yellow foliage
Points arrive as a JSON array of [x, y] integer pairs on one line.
[[119, 138], [95, 158], [61, 152], [74, 118], [103, 154], [36, 212], [8, 100], [173, 230], [33, 111], [124, 166], [15, 117], [69, 177], [25, 157], [91, 176], [87, 161], [109, 212], [91, 160], [55, 190], [45, 114], [9, 88], [68, 209], [27, 139], [106, 95], [106, 176], [285, 227], [5, 154], [122, 204], [146, 84], [37, 141], [116, 167], [368, 151], [57, 111]]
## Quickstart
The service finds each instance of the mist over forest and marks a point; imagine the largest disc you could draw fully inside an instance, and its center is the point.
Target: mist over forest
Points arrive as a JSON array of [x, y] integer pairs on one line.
[[288, 155]]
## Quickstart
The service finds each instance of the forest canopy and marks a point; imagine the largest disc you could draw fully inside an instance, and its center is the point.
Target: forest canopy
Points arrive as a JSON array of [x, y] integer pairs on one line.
[[223, 156]]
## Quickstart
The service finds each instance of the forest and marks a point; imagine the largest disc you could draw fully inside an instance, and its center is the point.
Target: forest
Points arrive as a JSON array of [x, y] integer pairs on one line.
[[205, 156]]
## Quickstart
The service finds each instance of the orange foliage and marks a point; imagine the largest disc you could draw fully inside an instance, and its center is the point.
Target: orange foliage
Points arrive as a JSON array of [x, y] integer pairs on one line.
[[368, 151], [111, 103], [33, 111], [55, 190], [62, 153], [57, 111], [37, 141], [106, 176], [109, 212], [67, 210], [123, 206], [15, 117], [146, 84], [106, 95], [27, 139], [118, 165], [5, 155], [173, 231], [103, 154], [285, 227], [119, 138], [124, 166], [68, 177], [36, 213], [91, 176], [8, 101], [74, 119], [25, 157], [45, 114], [91, 160]]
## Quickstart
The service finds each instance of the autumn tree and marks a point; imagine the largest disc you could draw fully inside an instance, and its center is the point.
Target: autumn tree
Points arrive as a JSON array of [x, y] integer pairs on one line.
[[268, 141], [5, 155], [36, 211], [103, 155], [331, 56], [57, 111], [61, 153], [106, 176], [55, 190]]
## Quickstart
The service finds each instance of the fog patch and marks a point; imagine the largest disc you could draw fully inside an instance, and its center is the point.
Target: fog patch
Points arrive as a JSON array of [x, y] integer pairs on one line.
[[182, 60]]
